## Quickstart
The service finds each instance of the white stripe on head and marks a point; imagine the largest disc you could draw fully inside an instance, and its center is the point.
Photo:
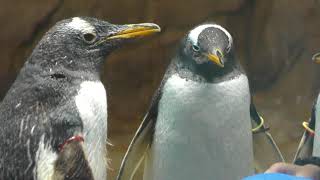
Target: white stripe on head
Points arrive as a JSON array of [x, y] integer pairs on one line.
[[194, 34], [81, 25]]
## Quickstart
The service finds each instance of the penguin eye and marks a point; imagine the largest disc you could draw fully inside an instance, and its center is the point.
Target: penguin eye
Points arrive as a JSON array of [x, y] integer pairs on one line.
[[196, 48], [89, 37]]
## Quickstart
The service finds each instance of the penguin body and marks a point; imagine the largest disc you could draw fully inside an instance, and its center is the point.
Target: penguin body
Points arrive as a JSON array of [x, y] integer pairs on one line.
[[54, 116], [309, 146], [199, 123], [194, 133], [91, 102]]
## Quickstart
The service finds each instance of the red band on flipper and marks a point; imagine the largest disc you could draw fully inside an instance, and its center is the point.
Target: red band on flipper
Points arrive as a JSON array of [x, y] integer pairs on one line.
[[311, 133], [71, 139]]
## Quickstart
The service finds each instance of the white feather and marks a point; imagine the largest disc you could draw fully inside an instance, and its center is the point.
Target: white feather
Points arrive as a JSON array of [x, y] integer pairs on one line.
[[194, 34], [45, 159], [92, 105], [81, 25], [91, 102], [197, 131]]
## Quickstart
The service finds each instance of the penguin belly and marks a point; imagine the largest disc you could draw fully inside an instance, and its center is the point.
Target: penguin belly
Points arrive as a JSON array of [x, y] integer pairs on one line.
[[203, 131], [91, 102], [316, 146]]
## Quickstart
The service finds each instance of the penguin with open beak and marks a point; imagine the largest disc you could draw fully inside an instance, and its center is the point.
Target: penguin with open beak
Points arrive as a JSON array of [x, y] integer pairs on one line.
[[54, 117], [199, 123]]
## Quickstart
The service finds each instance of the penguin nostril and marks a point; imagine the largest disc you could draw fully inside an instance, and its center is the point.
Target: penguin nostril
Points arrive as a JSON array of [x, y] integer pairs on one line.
[[219, 53], [58, 76]]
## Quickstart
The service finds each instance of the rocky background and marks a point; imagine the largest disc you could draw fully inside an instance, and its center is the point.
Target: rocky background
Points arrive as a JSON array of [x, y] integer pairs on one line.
[[275, 40]]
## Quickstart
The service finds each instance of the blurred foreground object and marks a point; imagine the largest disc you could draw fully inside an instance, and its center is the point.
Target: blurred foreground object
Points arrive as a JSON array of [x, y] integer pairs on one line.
[[306, 171], [274, 176]]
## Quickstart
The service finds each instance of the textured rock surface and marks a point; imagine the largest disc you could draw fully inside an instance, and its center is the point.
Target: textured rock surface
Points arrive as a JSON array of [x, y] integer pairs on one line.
[[275, 41]]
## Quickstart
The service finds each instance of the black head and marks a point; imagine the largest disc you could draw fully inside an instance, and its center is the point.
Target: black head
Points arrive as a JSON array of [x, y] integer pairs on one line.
[[207, 50], [82, 43]]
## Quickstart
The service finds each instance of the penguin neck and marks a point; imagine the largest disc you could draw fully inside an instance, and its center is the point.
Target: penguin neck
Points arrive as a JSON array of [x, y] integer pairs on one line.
[[40, 65], [189, 69], [35, 72], [58, 57]]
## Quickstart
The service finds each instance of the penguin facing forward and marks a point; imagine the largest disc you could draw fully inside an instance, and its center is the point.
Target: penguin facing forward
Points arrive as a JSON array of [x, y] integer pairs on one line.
[[198, 125], [54, 117]]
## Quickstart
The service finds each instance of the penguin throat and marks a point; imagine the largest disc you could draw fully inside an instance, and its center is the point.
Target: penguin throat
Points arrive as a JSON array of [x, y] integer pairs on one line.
[[205, 72], [74, 60]]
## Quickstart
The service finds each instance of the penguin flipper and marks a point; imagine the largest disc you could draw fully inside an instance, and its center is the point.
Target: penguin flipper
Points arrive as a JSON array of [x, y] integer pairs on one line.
[[136, 150], [305, 148], [141, 141], [266, 151]]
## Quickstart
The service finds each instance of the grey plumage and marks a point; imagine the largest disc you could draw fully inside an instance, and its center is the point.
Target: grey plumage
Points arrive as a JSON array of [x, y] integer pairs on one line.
[[58, 94]]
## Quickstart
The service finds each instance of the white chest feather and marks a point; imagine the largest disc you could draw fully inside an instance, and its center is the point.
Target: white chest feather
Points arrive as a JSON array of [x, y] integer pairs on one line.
[[92, 105], [202, 129], [316, 146], [45, 159], [91, 102]]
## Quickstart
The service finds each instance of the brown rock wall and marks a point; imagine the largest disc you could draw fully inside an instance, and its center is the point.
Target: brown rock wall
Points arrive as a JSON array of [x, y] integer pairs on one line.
[[275, 40]]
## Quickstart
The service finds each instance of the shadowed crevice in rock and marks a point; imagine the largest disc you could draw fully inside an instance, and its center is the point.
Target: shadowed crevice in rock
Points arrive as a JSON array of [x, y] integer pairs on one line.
[[41, 25], [22, 49], [247, 4]]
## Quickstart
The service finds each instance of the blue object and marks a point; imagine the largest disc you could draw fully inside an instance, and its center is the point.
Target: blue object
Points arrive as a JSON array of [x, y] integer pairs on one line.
[[274, 176]]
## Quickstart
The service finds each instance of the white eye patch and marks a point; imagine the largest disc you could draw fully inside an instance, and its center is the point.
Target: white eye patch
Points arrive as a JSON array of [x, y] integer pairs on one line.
[[194, 34], [81, 25]]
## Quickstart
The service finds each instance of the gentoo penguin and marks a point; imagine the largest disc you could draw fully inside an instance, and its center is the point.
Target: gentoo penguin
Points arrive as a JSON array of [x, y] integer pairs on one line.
[[198, 125], [310, 142], [54, 117]]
